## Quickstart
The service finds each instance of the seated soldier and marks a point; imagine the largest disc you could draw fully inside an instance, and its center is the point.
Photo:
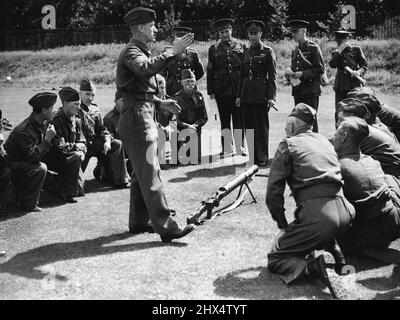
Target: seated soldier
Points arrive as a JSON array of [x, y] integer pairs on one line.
[[68, 146], [379, 116], [375, 196], [307, 162], [100, 144], [26, 147], [111, 120], [194, 113], [378, 144], [5, 172]]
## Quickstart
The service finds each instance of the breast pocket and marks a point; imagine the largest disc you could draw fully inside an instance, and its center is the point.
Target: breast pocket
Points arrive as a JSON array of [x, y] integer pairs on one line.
[[144, 121]]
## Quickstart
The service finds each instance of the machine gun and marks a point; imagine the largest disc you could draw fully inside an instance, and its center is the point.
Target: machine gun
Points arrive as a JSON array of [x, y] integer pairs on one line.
[[212, 202]]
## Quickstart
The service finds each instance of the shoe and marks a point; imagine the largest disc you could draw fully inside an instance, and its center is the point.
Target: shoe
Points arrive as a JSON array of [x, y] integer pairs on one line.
[[29, 209], [338, 255], [68, 199], [3, 253], [262, 164], [167, 238], [148, 229], [121, 186], [317, 268]]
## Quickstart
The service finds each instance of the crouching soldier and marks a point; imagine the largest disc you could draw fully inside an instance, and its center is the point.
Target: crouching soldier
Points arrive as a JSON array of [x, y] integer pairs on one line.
[[307, 162], [194, 114], [68, 149], [375, 196], [5, 172], [26, 147], [100, 144]]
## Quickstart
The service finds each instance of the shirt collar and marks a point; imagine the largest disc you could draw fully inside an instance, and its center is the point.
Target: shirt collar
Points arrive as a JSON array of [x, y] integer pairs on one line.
[[141, 45]]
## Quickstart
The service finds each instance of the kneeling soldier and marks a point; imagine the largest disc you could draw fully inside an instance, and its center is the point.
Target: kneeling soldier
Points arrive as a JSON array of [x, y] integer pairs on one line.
[[307, 162], [26, 147]]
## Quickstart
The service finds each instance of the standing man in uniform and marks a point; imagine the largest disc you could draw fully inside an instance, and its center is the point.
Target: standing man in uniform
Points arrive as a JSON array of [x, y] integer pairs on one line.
[[307, 162], [223, 78], [257, 90], [136, 71], [26, 147], [189, 59], [346, 55], [306, 69]]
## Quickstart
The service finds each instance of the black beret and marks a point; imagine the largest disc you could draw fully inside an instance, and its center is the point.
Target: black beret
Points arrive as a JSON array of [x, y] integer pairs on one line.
[[342, 34], [223, 24], [297, 24], [368, 97], [303, 112], [68, 94], [139, 15], [43, 100], [187, 74], [354, 106], [87, 85], [254, 25]]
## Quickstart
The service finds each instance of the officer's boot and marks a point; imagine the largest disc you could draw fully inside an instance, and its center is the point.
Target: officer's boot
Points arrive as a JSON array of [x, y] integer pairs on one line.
[[334, 249]]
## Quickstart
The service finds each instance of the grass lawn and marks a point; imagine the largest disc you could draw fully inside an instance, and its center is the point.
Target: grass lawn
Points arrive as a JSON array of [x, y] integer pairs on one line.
[[83, 250]]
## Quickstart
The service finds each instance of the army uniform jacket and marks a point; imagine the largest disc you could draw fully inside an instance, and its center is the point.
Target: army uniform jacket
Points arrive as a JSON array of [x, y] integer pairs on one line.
[[257, 75], [92, 123], [310, 80], [69, 133], [391, 118], [353, 57], [26, 142], [173, 72], [111, 120], [223, 69], [305, 160], [193, 109]]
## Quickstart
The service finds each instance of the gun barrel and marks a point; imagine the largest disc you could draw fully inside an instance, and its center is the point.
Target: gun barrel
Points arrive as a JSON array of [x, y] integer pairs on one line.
[[239, 180]]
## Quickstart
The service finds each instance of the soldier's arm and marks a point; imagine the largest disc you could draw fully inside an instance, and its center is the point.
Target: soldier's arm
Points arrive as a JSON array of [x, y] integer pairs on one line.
[[318, 65], [271, 70], [198, 66], [280, 171], [59, 141], [143, 66], [211, 71], [101, 129], [203, 117], [32, 152], [363, 62]]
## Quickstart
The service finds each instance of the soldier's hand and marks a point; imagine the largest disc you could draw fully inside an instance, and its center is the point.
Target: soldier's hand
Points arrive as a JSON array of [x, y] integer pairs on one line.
[[297, 75], [50, 133], [271, 104], [180, 44], [170, 105], [212, 96], [237, 102], [106, 147], [81, 147]]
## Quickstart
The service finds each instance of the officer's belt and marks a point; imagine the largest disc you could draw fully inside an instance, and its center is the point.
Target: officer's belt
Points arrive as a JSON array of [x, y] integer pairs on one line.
[[318, 191]]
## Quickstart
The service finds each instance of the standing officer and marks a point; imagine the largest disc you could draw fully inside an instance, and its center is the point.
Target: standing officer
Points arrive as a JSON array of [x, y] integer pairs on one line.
[[189, 59], [307, 162], [26, 147], [223, 78], [136, 71], [257, 89], [346, 55], [307, 68]]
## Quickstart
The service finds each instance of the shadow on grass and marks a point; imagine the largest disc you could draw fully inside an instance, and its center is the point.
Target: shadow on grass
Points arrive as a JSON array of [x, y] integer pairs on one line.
[[27, 264], [259, 283]]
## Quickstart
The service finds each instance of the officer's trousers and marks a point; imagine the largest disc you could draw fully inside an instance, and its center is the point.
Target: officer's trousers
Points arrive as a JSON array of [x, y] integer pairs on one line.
[[257, 120], [321, 215], [113, 162], [228, 111], [27, 179], [312, 101], [139, 135], [5, 179]]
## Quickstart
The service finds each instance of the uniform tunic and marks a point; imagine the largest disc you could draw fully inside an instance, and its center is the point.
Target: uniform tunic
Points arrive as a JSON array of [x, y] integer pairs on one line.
[[173, 72], [309, 89], [377, 220], [223, 80], [309, 165], [257, 86], [391, 118], [26, 148], [136, 81]]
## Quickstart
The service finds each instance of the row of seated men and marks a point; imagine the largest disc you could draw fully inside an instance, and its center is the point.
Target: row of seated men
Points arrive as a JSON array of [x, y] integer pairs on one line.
[[65, 141], [347, 195]]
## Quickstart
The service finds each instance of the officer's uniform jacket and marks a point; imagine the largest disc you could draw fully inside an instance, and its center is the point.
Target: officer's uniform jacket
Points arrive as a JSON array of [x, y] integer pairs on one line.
[[353, 57], [173, 72], [223, 69], [26, 142], [310, 81], [193, 109], [92, 123], [302, 161], [257, 75]]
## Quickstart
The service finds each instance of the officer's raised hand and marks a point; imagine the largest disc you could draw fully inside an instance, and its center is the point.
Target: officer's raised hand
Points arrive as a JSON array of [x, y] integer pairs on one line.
[[180, 44], [107, 146], [50, 133], [170, 105]]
